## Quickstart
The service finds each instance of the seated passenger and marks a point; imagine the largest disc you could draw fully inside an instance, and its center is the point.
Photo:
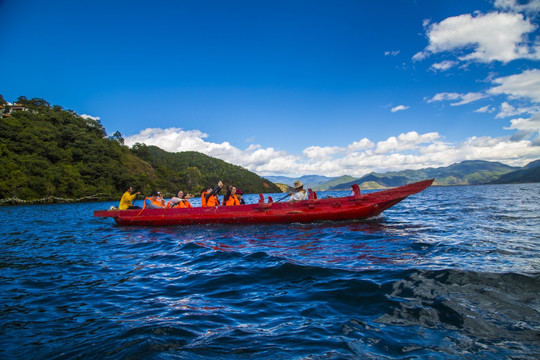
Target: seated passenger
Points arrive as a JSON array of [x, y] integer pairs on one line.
[[127, 199], [185, 200], [211, 198], [160, 198], [240, 196], [230, 198], [179, 201], [299, 192], [151, 202], [204, 192]]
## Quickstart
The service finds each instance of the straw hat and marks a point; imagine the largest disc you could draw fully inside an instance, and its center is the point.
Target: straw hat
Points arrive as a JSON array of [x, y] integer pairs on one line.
[[298, 184]]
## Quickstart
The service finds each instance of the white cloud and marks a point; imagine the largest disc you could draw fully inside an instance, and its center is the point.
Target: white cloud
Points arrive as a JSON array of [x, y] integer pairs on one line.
[[393, 53], [444, 65], [410, 150], [485, 38], [314, 152], [485, 109], [508, 110], [404, 142], [524, 85], [95, 118], [532, 6], [399, 108], [360, 145], [531, 124], [464, 98]]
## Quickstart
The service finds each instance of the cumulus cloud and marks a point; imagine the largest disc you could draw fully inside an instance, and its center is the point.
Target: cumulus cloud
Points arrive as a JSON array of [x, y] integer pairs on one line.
[[463, 98], [531, 124], [411, 150], [508, 110], [524, 85], [317, 152], [360, 145], [484, 38], [399, 108], [403, 142]]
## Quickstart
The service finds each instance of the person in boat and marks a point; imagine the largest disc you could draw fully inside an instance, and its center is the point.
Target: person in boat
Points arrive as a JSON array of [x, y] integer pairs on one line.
[[180, 200], [205, 191], [230, 198], [185, 200], [299, 192], [240, 196], [126, 202], [210, 197], [152, 202], [161, 199]]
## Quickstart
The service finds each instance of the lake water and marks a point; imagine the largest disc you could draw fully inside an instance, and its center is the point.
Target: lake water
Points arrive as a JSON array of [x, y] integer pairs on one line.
[[450, 273]]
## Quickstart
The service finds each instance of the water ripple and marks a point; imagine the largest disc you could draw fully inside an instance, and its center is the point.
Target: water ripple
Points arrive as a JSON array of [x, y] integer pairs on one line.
[[448, 273]]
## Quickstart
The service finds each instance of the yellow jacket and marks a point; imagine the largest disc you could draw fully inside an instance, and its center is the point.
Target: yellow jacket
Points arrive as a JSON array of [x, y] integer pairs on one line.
[[126, 200]]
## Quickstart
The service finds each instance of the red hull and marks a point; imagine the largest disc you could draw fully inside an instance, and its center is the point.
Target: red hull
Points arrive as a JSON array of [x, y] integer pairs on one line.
[[352, 207]]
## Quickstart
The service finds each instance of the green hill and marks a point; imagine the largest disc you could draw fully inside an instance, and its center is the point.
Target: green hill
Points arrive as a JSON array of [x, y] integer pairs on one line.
[[46, 151], [333, 183], [196, 170], [528, 174]]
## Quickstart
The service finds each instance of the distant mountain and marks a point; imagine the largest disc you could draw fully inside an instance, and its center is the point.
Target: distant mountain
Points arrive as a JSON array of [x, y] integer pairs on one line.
[[532, 165], [309, 181], [334, 182], [463, 173], [528, 174]]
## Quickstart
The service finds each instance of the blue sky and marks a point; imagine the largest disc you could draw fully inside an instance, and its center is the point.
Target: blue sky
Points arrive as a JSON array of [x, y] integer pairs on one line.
[[290, 87]]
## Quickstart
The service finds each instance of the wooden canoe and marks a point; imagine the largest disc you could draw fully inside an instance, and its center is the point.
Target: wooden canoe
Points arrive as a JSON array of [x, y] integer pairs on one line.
[[356, 206]]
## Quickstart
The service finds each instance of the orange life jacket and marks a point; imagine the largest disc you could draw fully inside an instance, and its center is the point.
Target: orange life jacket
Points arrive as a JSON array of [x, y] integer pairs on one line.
[[233, 200], [213, 201], [203, 199], [186, 203], [177, 205], [155, 202]]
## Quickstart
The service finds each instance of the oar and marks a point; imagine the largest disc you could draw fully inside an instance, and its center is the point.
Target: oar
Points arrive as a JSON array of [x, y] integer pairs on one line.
[[283, 198]]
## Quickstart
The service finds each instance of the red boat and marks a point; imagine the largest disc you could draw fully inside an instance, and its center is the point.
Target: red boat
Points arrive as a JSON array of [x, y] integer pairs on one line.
[[356, 206]]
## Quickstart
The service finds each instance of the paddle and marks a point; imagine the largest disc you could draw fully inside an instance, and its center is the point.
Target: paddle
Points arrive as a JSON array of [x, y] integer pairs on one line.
[[283, 198]]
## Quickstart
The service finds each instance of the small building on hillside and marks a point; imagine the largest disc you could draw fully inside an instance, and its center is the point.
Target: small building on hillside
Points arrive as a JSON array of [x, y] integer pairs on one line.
[[7, 109]]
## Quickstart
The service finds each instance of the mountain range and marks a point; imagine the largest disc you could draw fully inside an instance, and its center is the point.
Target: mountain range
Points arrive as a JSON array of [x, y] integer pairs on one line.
[[471, 172]]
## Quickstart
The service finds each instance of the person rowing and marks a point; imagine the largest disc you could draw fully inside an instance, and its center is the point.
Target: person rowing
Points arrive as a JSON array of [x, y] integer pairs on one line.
[[299, 192], [128, 199]]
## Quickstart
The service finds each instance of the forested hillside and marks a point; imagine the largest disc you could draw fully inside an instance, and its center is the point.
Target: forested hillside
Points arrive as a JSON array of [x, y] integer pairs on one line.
[[47, 151], [195, 170]]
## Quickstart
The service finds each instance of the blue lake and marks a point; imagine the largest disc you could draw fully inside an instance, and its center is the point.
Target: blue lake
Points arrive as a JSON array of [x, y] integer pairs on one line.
[[450, 273]]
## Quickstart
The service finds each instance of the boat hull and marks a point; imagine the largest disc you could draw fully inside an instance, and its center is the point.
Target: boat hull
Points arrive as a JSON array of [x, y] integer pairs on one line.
[[357, 206]]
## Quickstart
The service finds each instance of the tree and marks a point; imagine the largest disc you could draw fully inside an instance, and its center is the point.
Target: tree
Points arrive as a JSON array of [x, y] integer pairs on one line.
[[117, 136]]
